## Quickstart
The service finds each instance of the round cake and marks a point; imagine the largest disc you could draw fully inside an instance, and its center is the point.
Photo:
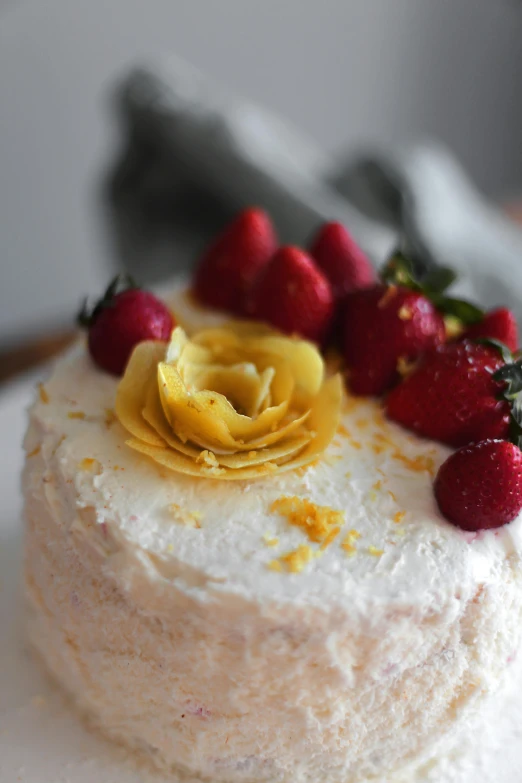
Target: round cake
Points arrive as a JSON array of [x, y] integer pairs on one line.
[[323, 622]]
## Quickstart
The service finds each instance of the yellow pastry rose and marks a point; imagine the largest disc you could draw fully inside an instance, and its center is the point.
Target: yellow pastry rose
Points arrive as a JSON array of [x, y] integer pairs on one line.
[[235, 402]]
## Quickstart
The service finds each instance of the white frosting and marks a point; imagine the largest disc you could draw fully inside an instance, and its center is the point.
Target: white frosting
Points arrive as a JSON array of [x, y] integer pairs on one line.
[[351, 667]]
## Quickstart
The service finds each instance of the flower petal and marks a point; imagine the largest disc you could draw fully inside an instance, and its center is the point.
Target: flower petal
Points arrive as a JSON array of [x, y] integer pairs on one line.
[[189, 419], [324, 420], [207, 417], [237, 402], [133, 388], [174, 460], [304, 361]]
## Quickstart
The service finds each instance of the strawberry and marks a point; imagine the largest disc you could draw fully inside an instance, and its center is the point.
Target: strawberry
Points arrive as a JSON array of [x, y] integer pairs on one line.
[[384, 325], [498, 325], [480, 485], [395, 322], [341, 259], [293, 295], [454, 395], [121, 320], [230, 265]]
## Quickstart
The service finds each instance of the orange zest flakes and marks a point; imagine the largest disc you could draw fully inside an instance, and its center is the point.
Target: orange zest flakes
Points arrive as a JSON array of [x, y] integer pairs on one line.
[[372, 550], [90, 465], [295, 561], [389, 294], [304, 468], [348, 542], [405, 367], [336, 443], [348, 474], [355, 444], [377, 486], [76, 415], [183, 517], [392, 495], [383, 440], [331, 458], [341, 429], [269, 541], [418, 464], [42, 393], [316, 521], [34, 452], [362, 424], [398, 517], [275, 565], [377, 449], [334, 532]]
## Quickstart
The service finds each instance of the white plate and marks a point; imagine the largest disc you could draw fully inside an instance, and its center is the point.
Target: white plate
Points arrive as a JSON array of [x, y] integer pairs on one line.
[[42, 739]]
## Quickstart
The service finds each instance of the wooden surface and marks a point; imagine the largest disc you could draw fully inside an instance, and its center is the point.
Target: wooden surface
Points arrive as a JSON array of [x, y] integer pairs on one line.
[[32, 353]]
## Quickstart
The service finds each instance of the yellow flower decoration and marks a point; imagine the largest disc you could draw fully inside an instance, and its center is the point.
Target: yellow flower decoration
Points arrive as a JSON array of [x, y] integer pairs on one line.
[[235, 402]]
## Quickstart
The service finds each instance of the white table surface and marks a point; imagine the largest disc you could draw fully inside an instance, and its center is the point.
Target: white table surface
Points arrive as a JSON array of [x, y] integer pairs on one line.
[[42, 740]]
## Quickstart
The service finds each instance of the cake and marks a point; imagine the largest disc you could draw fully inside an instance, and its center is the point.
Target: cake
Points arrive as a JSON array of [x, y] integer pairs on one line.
[[323, 622]]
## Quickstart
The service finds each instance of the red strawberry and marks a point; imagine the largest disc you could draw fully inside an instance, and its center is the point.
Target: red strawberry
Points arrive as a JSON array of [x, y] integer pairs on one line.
[[229, 267], [383, 325], [453, 395], [121, 320], [341, 259], [293, 295], [480, 486], [499, 325]]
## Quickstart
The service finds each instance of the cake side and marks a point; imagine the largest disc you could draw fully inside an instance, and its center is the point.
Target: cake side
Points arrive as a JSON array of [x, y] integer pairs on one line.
[[154, 601]]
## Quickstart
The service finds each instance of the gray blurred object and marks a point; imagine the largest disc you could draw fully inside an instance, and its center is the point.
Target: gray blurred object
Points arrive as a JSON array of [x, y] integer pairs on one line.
[[195, 154]]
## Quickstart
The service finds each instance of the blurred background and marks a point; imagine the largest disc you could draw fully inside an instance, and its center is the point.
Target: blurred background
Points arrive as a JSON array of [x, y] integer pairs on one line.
[[350, 75]]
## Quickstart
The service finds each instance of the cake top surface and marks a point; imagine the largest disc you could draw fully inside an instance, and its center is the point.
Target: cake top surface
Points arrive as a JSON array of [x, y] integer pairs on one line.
[[359, 527]]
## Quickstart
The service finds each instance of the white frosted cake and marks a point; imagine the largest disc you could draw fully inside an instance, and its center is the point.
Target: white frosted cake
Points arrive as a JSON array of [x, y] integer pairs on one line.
[[323, 623]]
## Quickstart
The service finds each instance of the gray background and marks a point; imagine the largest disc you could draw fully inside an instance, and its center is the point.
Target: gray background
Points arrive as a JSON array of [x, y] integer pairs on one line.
[[350, 73]]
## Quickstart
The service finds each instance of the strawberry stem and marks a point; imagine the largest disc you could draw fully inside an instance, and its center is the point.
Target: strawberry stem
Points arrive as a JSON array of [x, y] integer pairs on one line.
[[399, 270], [87, 315]]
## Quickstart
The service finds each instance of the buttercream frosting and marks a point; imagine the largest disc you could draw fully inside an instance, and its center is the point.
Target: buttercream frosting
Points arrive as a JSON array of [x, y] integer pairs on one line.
[[192, 618]]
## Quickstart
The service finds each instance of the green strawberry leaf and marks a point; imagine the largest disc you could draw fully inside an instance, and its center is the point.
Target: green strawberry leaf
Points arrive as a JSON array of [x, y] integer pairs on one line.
[[466, 312], [515, 429], [438, 280], [511, 375], [501, 348], [399, 271]]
